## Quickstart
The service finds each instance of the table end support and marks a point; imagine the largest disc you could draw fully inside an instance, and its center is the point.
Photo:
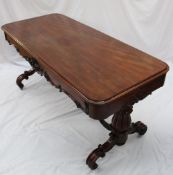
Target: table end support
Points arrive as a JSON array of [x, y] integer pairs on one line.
[[23, 76], [120, 127]]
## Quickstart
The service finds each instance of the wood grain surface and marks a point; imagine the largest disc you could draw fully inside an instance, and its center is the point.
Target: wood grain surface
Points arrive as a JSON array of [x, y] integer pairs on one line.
[[98, 66]]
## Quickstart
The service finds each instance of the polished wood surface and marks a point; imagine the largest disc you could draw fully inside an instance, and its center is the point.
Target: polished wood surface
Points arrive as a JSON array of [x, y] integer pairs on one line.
[[102, 75], [98, 67]]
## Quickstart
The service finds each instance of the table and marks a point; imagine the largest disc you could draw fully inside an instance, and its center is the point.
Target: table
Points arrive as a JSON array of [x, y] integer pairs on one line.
[[101, 74]]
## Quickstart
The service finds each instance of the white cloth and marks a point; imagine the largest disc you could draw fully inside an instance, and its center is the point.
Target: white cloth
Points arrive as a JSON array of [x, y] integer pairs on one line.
[[41, 130]]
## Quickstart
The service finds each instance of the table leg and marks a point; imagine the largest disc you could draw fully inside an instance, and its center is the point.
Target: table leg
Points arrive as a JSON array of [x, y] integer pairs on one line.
[[23, 76], [120, 127]]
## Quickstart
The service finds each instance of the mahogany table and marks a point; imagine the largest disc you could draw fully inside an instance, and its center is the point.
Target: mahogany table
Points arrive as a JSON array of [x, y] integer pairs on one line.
[[102, 75]]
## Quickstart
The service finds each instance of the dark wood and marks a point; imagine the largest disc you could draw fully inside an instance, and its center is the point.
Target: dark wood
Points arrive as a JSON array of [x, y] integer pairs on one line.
[[116, 138], [23, 76], [101, 74], [120, 127]]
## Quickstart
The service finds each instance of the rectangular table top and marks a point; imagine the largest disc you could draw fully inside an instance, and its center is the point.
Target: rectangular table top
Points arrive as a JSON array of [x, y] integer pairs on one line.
[[98, 66]]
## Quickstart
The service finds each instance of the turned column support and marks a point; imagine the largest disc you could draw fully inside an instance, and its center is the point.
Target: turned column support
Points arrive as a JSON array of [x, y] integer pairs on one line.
[[120, 127]]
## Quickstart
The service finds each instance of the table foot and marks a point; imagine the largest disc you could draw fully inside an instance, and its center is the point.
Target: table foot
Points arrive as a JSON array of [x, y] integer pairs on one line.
[[120, 127], [138, 127], [23, 76]]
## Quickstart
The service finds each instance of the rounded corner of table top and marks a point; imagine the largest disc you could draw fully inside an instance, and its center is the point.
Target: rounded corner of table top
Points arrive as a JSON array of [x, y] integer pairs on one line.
[[103, 101], [3, 27], [166, 67]]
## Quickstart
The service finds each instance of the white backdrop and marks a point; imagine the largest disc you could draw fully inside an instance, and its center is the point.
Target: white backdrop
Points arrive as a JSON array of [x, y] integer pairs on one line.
[[42, 132]]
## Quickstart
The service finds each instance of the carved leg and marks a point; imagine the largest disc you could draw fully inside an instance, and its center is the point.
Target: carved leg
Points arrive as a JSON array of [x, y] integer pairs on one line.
[[23, 76], [120, 127]]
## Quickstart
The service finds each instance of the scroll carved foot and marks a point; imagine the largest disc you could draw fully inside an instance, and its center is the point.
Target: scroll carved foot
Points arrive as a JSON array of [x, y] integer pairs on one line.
[[138, 127], [102, 149], [120, 127], [23, 76]]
